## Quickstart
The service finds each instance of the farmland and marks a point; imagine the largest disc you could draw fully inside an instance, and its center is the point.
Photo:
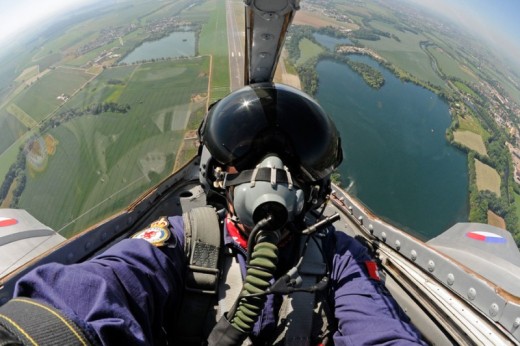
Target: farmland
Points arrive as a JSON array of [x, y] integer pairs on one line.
[[118, 129], [471, 140], [104, 160], [42, 98], [308, 50], [213, 40], [487, 178]]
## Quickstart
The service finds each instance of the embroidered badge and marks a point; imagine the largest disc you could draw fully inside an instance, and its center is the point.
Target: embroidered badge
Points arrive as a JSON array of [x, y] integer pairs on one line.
[[157, 234], [373, 272]]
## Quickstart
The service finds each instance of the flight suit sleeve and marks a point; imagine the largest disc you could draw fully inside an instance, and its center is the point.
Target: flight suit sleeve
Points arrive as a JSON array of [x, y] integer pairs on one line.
[[365, 311], [124, 296]]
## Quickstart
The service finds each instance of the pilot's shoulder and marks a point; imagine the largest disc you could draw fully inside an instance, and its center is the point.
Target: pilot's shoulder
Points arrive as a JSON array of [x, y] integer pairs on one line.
[[347, 245], [165, 231]]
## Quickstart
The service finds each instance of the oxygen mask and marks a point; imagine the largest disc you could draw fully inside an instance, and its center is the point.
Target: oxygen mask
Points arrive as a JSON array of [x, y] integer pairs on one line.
[[267, 191]]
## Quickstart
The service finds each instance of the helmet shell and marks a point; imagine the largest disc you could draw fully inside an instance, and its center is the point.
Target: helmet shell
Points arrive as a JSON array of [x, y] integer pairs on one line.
[[266, 118]]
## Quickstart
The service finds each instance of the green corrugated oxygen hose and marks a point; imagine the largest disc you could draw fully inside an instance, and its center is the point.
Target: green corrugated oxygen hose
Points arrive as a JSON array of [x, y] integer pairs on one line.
[[261, 267]]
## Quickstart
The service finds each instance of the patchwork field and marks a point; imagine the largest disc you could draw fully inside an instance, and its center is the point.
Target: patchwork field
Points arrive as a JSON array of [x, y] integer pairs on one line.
[[213, 41], [487, 178], [41, 99], [118, 129], [471, 140], [102, 162], [495, 220], [28, 73], [450, 67], [12, 129], [406, 53], [308, 50], [470, 123]]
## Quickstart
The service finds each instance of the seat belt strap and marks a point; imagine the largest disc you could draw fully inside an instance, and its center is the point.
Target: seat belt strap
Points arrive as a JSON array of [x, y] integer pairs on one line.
[[230, 285], [202, 248], [36, 323], [297, 310]]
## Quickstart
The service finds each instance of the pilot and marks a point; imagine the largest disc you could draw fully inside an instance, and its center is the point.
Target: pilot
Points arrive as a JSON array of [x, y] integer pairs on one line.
[[267, 269]]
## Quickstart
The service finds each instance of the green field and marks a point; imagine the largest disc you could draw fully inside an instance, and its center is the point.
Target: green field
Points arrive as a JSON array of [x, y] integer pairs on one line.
[[450, 67], [471, 140], [406, 54], [470, 123], [28, 73], [213, 41], [12, 129], [105, 161], [465, 89], [41, 98], [517, 204], [99, 90], [308, 50], [487, 178]]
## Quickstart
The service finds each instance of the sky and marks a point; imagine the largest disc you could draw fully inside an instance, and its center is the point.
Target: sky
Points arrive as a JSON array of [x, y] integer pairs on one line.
[[494, 20]]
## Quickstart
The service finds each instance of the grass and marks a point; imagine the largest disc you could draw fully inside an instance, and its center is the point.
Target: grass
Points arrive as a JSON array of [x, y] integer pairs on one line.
[[12, 129], [99, 90], [213, 41], [470, 123], [471, 140], [308, 50], [41, 98], [450, 67], [23, 117], [517, 204], [465, 89], [9, 155], [28, 73], [495, 220], [104, 162], [487, 178], [406, 54]]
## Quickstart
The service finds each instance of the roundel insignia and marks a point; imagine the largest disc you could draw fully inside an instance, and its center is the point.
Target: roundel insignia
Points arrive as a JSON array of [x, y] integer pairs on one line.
[[486, 237], [7, 221], [157, 234]]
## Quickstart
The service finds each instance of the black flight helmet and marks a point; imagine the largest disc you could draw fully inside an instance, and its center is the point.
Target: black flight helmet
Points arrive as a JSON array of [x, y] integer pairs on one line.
[[266, 118]]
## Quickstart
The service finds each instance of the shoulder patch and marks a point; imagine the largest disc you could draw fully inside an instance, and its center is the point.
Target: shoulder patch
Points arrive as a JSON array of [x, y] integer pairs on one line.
[[156, 234]]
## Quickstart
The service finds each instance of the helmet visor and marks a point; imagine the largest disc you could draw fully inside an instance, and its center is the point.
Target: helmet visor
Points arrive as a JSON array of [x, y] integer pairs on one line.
[[265, 118]]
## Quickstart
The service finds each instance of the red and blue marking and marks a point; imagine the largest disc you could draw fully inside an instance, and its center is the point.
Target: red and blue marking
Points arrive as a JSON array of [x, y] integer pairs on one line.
[[7, 221], [486, 237]]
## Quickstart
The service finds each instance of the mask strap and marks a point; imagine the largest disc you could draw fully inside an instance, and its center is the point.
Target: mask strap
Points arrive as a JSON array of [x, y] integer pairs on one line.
[[268, 174]]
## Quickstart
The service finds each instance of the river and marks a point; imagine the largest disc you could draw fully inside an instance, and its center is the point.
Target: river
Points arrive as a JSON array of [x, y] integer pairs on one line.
[[397, 159]]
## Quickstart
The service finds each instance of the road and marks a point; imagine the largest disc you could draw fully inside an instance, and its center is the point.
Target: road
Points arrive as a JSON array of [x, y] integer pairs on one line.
[[235, 46]]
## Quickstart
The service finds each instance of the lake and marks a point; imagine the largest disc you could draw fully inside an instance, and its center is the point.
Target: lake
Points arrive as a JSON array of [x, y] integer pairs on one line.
[[330, 42], [397, 159], [175, 45]]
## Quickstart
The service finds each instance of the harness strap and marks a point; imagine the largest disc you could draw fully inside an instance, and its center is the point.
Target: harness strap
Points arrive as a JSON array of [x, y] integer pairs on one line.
[[24, 318], [258, 174], [297, 310], [202, 248], [230, 285]]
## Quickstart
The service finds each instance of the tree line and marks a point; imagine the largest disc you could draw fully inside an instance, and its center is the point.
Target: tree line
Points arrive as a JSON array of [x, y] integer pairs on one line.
[[92, 109], [499, 158], [15, 173]]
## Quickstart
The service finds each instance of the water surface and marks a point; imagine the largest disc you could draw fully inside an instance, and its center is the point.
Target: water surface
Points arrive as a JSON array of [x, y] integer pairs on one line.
[[397, 160], [330, 42], [175, 45]]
